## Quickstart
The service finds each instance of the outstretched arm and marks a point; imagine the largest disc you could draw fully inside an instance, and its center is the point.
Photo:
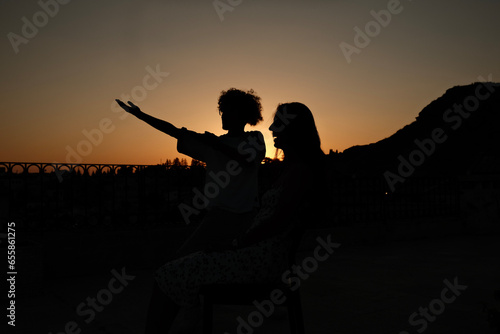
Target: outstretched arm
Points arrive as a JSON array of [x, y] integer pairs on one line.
[[159, 124]]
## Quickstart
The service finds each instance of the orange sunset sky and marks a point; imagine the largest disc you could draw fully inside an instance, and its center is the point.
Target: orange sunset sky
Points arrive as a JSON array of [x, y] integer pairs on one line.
[[64, 63]]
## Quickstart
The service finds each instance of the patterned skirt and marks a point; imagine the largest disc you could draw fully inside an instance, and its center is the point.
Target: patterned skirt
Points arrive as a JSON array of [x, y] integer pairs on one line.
[[182, 278]]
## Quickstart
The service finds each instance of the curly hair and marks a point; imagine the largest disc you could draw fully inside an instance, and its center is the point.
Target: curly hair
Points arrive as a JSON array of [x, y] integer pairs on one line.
[[244, 104]]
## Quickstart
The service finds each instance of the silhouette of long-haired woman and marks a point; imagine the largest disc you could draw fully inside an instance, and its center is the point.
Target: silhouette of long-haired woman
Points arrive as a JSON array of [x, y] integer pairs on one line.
[[261, 253]]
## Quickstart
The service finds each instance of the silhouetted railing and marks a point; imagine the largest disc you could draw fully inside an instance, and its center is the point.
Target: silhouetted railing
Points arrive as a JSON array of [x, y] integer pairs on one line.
[[43, 196], [53, 195]]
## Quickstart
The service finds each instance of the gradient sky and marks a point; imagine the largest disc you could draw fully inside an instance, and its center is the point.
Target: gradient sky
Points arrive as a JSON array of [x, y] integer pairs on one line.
[[64, 80]]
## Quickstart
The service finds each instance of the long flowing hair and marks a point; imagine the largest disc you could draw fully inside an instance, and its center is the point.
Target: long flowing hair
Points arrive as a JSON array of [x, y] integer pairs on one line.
[[298, 123], [301, 133]]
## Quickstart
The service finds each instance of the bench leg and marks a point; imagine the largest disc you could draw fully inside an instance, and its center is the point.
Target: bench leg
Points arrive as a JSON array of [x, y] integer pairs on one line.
[[207, 315]]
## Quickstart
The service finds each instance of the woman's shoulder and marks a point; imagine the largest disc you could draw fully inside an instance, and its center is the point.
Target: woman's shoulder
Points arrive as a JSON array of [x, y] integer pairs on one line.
[[309, 172], [306, 166]]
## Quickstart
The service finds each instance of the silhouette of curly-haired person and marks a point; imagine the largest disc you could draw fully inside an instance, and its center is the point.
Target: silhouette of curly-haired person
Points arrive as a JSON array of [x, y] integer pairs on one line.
[[260, 254], [230, 194]]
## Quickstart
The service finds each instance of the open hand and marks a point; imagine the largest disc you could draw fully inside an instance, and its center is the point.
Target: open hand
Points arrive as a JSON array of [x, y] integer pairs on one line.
[[130, 107]]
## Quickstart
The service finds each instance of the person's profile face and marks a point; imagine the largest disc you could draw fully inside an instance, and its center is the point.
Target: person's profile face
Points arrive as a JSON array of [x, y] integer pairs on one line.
[[224, 121], [227, 121], [277, 129]]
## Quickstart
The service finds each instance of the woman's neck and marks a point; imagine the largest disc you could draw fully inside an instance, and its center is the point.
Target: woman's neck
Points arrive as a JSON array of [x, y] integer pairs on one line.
[[291, 156]]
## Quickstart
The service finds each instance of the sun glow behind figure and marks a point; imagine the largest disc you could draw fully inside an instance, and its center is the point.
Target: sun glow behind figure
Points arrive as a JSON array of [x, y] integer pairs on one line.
[[62, 82]]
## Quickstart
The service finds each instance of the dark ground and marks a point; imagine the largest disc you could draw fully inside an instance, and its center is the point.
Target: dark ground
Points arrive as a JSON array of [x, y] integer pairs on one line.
[[371, 284]]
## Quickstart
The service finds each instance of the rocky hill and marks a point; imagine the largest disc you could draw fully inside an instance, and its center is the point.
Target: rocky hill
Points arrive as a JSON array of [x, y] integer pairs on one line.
[[456, 134]]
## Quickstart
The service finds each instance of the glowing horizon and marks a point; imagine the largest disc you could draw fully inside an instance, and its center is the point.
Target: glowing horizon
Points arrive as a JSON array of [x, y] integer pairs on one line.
[[61, 83]]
